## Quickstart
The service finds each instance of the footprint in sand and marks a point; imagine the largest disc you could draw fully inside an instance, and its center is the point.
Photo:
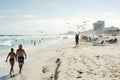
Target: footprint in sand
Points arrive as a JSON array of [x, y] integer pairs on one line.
[[97, 57], [45, 69], [79, 74], [58, 60], [79, 77], [51, 77]]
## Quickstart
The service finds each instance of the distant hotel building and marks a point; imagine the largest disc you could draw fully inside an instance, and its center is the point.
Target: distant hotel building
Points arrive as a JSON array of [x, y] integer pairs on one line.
[[99, 25]]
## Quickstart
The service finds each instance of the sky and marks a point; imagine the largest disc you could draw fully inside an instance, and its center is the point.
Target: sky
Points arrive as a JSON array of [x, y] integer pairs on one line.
[[55, 16]]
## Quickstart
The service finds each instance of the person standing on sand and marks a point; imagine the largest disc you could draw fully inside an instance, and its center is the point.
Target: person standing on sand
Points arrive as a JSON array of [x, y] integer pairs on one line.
[[11, 60], [20, 54], [34, 42], [77, 39]]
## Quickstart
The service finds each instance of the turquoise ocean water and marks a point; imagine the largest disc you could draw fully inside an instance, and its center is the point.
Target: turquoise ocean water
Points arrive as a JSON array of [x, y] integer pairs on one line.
[[30, 44]]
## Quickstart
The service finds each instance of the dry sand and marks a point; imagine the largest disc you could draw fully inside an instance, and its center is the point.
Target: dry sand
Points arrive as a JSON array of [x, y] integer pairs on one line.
[[64, 62]]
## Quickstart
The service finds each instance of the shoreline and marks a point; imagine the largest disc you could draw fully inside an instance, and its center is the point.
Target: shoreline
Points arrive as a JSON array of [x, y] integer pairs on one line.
[[64, 62], [30, 50]]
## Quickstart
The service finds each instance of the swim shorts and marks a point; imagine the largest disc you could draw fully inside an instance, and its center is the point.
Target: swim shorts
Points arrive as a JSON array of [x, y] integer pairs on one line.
[[21, 60]]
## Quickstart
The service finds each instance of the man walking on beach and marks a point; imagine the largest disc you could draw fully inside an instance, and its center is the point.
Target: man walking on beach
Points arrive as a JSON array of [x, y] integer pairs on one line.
[[77, 39], [20, 53]]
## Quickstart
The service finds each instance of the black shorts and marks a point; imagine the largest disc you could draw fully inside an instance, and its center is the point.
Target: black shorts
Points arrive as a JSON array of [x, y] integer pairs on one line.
[[77, 42], [21, 60], [11, 60]]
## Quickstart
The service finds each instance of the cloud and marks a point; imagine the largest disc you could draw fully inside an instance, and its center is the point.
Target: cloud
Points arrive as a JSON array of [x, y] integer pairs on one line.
[[28, 16], [9, 11], [110, 13], [3, 16]]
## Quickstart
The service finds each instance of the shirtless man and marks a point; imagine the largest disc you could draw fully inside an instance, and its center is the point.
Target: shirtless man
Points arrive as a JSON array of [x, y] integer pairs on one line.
[[20, 53], [77, 39], [11, 60]]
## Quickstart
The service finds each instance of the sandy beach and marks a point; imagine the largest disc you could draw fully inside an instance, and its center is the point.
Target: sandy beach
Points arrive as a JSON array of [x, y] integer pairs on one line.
[[59, 40], [65, 62]]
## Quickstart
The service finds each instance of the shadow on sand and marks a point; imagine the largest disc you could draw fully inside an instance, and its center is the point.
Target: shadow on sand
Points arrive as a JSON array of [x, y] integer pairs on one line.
[[7, 77]]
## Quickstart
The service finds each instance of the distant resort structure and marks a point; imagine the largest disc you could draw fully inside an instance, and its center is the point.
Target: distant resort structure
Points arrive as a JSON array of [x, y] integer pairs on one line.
[[99, 27]]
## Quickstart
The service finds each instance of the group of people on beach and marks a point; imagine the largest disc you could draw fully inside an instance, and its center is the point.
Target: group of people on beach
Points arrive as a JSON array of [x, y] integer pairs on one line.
[[34, 42], [19, 56]]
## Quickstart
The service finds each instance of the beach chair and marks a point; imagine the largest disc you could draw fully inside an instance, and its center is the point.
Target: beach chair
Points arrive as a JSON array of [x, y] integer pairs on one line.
[[102, 43]]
